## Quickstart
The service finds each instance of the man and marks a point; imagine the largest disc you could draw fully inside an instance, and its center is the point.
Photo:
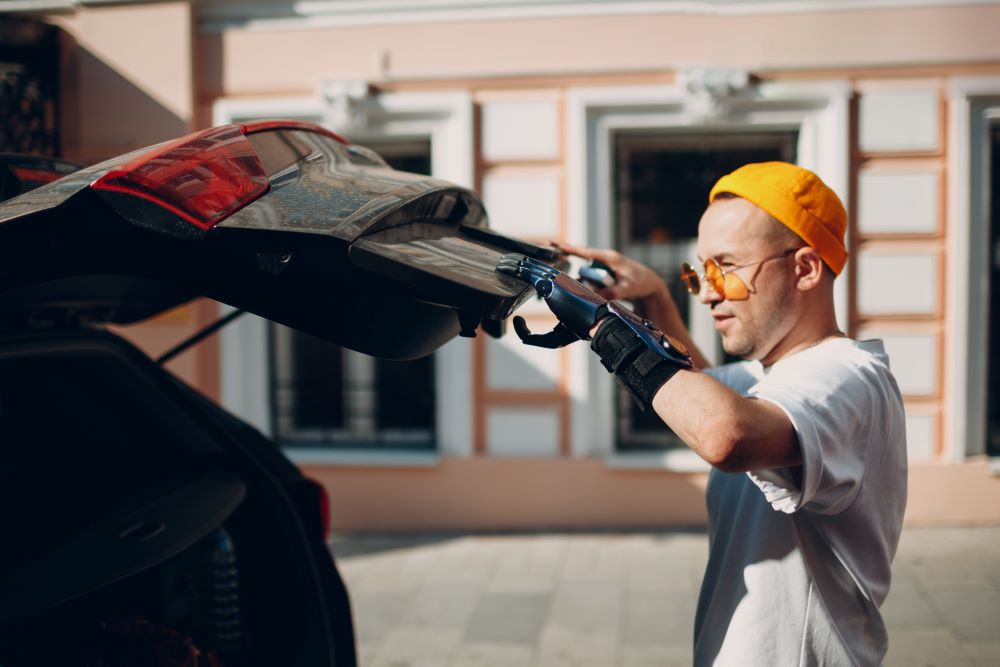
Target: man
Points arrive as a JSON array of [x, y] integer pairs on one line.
[[806, 437]]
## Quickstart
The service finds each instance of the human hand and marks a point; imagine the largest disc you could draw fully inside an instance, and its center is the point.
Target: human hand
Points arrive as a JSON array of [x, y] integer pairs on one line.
[[633, 280], [578, 308]]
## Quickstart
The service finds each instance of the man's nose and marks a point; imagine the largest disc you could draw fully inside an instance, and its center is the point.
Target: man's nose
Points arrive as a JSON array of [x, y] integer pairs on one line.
[[707, 294]]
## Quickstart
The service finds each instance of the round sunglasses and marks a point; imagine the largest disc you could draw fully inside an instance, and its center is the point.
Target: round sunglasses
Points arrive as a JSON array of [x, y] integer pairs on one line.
[[725, 283]]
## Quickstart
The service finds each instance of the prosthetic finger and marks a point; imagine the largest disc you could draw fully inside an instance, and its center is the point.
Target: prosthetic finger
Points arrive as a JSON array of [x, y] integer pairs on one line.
[[529, 270], [560, 336]]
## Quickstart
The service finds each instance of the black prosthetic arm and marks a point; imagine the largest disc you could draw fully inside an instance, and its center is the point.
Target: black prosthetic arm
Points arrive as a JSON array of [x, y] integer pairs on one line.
[[641, 356]]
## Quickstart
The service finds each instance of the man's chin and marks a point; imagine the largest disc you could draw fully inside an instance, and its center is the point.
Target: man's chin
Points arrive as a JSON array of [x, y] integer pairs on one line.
[[738, 348]]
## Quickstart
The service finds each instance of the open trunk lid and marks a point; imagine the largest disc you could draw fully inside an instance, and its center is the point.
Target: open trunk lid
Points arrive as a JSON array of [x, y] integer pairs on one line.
[[283, 219]]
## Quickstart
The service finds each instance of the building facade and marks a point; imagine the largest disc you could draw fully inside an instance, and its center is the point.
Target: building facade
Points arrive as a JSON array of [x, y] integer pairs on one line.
[[599, 123]]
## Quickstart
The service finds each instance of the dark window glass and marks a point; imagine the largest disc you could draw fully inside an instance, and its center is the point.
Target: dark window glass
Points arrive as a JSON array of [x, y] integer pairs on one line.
[[661, 189], [317, 382]]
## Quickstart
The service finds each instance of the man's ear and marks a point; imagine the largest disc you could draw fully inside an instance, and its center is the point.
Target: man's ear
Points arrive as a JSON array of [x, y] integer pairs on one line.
[[808, 269]]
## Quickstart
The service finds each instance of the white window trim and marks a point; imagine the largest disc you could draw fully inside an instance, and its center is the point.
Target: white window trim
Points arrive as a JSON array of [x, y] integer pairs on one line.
[[447, 119], [820, 111], [966, 379]]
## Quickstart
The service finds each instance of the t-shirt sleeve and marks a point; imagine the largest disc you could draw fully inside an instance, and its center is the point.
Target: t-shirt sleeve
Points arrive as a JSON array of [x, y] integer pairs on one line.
[[832, 407]]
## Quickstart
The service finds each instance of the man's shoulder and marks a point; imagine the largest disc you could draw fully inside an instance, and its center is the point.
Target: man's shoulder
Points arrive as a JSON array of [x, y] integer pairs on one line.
[[835, 357], [836, 371]]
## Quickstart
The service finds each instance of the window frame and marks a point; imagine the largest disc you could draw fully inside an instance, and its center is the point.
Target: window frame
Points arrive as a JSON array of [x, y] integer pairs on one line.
[[447, 120], [819, 111], [973, 105]]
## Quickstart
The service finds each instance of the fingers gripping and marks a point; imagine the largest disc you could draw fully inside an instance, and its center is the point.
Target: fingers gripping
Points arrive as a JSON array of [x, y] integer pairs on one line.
[[529, 270], [560, 336]]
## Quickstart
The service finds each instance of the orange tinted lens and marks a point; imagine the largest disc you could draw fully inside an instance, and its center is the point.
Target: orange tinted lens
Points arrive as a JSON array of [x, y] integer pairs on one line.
[[735, 288], [715, 278], [690, 278]]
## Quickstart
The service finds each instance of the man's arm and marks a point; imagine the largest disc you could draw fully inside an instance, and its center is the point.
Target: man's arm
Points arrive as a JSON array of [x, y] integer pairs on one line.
[[730, 431]]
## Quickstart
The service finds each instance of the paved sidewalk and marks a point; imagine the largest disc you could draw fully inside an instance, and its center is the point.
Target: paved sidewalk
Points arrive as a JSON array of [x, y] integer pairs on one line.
[[623, 599]]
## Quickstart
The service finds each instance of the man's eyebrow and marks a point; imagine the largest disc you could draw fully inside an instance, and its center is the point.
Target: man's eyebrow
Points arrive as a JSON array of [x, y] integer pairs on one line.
[[720, 257]]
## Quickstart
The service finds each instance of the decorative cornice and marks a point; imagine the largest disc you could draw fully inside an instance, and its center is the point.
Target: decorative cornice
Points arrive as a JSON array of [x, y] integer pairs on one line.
[[218, 15]]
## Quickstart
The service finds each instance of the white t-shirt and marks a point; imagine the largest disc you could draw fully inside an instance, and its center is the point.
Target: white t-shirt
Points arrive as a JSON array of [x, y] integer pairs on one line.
[[800, 557]]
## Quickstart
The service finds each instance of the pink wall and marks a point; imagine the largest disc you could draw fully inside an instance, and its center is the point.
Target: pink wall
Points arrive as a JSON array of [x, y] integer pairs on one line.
[[242, 62]]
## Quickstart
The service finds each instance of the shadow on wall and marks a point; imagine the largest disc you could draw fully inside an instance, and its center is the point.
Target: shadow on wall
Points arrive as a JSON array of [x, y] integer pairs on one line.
[[104, 113]]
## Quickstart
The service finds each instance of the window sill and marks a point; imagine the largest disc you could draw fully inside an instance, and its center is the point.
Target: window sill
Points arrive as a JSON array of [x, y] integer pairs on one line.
[[680, 460], [365, 458]]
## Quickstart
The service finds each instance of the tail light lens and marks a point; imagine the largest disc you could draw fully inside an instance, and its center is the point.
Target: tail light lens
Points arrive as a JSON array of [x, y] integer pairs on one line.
[[201, 178]]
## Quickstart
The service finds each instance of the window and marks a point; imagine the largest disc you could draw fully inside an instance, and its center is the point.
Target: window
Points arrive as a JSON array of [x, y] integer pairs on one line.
[[661, 186], [325, 395], [993, 381]]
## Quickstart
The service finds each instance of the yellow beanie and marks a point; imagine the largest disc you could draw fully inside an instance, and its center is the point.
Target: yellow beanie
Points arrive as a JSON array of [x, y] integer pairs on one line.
[[798, 199]]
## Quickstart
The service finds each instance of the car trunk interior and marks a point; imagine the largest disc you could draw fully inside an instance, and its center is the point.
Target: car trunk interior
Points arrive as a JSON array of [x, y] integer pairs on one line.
[[143, 523]]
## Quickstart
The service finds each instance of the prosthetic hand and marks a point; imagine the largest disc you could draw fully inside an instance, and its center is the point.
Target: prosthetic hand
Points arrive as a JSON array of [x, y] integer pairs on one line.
[[641, 356]]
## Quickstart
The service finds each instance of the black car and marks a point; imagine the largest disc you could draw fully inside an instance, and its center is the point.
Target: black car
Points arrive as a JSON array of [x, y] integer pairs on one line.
[[141, 523]]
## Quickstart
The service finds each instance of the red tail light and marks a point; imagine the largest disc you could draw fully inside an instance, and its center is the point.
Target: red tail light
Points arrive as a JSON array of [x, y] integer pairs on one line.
[[202, 177]]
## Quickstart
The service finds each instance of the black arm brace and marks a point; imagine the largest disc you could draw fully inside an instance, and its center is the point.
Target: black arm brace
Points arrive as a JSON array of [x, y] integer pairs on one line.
[[632, 348], [640, 356]]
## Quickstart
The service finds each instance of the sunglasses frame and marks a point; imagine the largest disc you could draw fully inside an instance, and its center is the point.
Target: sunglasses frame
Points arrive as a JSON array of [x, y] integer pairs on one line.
[[726, 284]]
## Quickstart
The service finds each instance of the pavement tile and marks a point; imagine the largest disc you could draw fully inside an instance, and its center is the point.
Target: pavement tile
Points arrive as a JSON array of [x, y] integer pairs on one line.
[[971, 614], [508, 619], [658, 619], [934, 646], [983, 650], [377, 614], [638, 653], [907, 607], [581, 606], [443, 606], [386, 583], [494, 653], [549, 661], [558, 642], [525, 575], [412, 646]]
